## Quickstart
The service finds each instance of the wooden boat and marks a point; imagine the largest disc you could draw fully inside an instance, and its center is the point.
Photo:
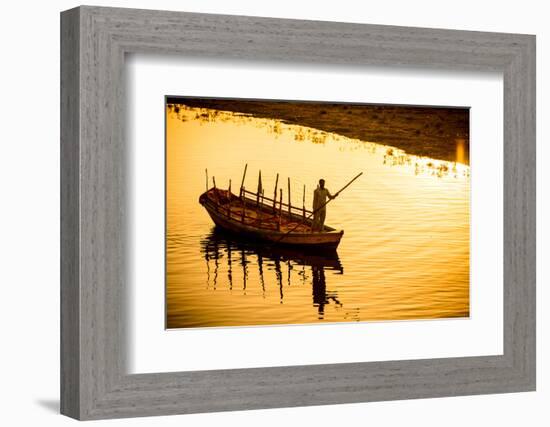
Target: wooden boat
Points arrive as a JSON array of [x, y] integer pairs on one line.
[[261, 218]]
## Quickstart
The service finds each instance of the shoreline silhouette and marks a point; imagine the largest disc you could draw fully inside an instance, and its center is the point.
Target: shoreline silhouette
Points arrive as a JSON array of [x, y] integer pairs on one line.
[[435, 132]]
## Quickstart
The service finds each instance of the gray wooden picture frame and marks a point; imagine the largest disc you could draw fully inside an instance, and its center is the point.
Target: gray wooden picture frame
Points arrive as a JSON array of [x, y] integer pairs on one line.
[[94, 381]]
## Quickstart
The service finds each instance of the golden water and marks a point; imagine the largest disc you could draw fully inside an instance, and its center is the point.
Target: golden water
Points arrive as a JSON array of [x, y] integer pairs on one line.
[[405, 251]]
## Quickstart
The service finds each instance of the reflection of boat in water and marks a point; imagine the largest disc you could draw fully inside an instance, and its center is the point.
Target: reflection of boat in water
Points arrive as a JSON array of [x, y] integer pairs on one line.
[[264, 219], [222, 240], [290, 266]]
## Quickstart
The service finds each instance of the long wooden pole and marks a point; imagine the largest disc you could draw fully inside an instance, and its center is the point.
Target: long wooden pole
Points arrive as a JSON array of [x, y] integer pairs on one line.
[[322, 206], [206, 171], [242, 181], [343, 188]]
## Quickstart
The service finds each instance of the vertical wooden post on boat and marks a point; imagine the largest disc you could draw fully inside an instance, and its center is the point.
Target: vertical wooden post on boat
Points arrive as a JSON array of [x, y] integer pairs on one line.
[[215, 192], [229, 200], [242, 182], [259, 190], [206, 171], [289, 204], [259, 210], [280, 208], [275, 194], [304, 205], [244, 206]]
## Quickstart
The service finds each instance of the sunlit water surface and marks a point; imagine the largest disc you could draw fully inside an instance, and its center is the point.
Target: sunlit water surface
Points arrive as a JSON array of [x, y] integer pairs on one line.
[[404, 254]]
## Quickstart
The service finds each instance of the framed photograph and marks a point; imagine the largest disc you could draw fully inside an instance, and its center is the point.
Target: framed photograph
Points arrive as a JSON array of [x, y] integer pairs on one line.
[[265, 259], [342, 212]]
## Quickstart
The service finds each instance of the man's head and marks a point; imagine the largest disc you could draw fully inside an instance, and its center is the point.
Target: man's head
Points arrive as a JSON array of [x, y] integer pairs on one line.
[[322, 183]]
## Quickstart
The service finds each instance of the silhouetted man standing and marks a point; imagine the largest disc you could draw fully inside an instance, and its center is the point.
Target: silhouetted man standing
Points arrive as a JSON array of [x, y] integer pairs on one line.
[[319, 205]]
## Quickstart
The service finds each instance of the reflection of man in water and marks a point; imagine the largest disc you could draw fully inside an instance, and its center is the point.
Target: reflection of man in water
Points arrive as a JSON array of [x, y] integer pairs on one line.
[[320, 295], [319, 205], [319, 290]]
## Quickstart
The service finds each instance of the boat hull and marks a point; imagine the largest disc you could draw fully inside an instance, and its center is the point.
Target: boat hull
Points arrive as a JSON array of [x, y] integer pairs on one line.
[[328, 240]]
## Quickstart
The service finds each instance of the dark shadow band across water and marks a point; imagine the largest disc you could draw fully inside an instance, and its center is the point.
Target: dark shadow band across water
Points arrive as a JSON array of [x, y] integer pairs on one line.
[[219, 247], [421, 131]]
